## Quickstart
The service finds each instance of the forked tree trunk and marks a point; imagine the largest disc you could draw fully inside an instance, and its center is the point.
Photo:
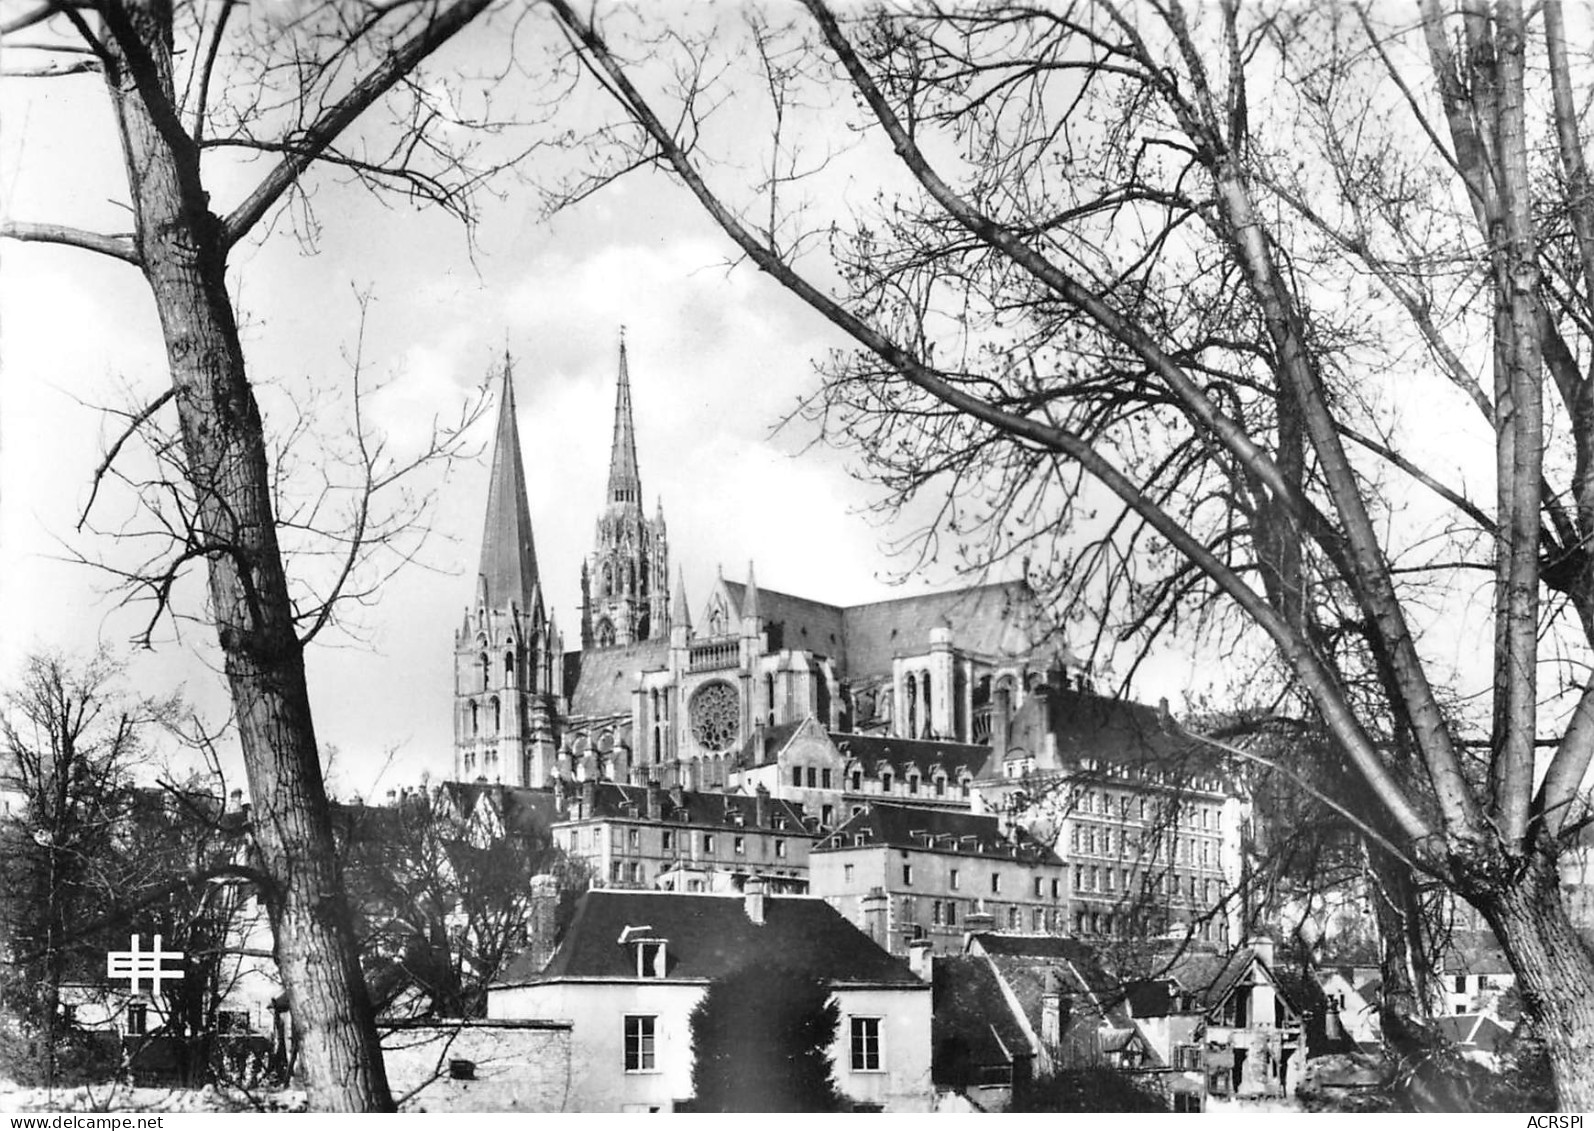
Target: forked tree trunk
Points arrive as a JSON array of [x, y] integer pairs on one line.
[[1555, 972], [184, 260]]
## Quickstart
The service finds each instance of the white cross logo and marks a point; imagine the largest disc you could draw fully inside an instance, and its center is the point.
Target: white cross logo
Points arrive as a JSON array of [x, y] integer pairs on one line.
[[136, 965]]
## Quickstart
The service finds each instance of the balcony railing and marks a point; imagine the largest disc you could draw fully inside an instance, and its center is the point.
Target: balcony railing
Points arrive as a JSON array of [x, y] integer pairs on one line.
[[714, 655]]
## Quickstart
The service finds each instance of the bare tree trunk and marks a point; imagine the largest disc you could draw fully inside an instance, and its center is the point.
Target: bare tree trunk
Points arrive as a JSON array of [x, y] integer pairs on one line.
[[184, 259], [1555, 972]]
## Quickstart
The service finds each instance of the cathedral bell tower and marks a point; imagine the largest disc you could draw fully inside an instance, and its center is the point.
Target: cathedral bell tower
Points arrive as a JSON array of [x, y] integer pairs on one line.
[[625, 584], [505, 652]]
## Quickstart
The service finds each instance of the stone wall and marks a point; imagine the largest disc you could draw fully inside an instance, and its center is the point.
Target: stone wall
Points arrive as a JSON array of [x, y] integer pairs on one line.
[[480, 1066]]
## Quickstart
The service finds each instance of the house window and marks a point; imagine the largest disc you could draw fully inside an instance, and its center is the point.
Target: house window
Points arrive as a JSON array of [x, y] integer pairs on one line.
[[940, 787], [1039, 918], [614, 871], [951, 913], [739, 844], [813, 778], [935, 913], [952, 878], [1038, 886], [708, 843], [907, 875], [824, 779], [1073, 838], [996, 882], [965, 786], [885, 783], [636, 872], [669, 840], [137, 1019], [866, 1044], [913, 784], [780, 849], [857, 781], [846, 872], [640, 1050], [1461, 983], [827, 814], [650, 959], [1012, 917], [1056, 888], [797, 776], [633, 837]]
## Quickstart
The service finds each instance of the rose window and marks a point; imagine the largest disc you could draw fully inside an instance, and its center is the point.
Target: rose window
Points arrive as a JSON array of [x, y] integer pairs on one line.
[[716, 714]]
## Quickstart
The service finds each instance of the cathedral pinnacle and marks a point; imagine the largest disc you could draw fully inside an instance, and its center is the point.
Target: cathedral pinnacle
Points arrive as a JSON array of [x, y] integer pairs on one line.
[[625, 482], [508, 571]]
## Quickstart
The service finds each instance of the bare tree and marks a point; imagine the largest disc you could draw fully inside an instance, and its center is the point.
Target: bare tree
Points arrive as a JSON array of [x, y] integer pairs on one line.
[[71, 735], [309, 89], [1135, 249]]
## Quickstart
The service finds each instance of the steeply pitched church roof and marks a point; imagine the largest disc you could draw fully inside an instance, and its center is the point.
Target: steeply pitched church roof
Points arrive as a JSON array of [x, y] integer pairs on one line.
[[1000, 619], [711, 935], [598, 681], [509, 556]]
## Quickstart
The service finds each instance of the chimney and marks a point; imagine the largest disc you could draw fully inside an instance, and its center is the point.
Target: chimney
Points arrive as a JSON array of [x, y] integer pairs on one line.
[[754, 896], [875, 906], [1163, 715], [655, 799], [977, 923], [761, 806], [1262, 946], [589, 798], [1001, 720], [542, 920], [920, 959]]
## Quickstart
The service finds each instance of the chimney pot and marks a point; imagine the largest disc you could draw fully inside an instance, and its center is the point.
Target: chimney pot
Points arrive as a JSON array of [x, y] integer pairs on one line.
[[921, 959]]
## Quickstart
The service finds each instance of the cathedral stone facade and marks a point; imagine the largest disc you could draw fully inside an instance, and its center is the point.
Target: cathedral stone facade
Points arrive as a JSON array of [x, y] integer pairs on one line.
[[711, 699]]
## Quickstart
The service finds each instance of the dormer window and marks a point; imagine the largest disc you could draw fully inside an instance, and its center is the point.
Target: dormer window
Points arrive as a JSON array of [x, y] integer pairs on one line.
[[650, 959]]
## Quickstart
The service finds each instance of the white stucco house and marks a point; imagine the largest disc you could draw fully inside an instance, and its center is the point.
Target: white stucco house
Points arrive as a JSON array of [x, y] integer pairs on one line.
[[633, 964]]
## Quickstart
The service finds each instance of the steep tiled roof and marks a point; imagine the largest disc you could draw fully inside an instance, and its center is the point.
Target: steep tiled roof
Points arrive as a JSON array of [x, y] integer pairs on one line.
[[1111, 732], [923, 754], [711, 935], [764, 745], [698, 808], [1034, 965], [971, 1026], [1000, 619], [939, 830], [797, 622], [1475, 952], [1210, 978], [599, 681], [1478, 1030], [525, 810]]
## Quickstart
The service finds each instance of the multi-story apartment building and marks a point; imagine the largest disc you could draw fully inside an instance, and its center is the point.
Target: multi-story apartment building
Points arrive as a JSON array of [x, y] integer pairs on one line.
[[1148, 820], [904, 873], [684, 840]]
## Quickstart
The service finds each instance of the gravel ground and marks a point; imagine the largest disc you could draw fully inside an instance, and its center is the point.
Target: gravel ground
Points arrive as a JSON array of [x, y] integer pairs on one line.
[[121, 1097]]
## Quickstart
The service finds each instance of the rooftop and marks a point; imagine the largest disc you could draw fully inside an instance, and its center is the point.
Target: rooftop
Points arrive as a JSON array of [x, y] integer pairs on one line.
[[936, 830], [711, 935]]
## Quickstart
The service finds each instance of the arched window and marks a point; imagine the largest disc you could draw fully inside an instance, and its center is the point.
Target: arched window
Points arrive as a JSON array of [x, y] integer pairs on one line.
[[475, 719], [608, 580], [509, 669], [487, 672], [605, 633], [769, 697], [630, 578], [498, 715]]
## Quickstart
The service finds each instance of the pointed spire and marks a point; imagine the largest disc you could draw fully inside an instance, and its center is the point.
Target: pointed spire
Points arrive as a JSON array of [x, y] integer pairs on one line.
[[750, 597], [625, 482], [680, 614], [509, 557]]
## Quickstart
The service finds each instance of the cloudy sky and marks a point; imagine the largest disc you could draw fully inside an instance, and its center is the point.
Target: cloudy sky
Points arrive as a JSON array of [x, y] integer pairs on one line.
[[718, 357]]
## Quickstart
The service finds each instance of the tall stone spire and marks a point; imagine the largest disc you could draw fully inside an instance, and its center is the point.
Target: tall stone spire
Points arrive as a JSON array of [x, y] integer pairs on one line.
[[508, 570], [625, 482], [679, 614]]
